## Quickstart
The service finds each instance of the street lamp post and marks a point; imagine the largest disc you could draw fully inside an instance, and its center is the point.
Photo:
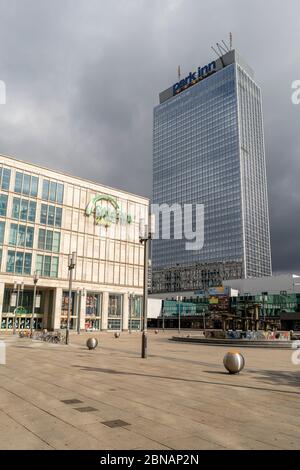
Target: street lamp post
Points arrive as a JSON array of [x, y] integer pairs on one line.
[[146, 232], [78, 301], [80, 294], [35, 280], [22, 293], [264, 297], [163, 320], [204, 325], [18, 286], [179, 300], [71, 266]]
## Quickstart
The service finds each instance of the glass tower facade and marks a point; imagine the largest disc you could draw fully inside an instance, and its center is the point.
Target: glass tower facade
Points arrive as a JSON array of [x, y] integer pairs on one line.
[[208, 148]]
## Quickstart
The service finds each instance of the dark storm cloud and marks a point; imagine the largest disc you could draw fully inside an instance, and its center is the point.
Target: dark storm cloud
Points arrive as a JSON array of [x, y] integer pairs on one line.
[[83, 77]]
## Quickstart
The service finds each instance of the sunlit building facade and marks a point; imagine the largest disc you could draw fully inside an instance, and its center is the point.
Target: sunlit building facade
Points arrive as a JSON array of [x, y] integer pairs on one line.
[[44, 216]]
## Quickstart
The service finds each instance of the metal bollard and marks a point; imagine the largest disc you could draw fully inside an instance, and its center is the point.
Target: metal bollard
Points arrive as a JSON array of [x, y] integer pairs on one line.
[[234, 362], [92, 343]]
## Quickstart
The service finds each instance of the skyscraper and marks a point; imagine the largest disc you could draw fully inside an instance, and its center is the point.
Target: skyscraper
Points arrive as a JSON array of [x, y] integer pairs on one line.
[[208, 148]]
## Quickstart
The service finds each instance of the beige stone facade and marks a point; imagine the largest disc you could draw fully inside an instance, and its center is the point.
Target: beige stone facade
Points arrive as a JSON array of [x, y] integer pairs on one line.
[[43, 218]]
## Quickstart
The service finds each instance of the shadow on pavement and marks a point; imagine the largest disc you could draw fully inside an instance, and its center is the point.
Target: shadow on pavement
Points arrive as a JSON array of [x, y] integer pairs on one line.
[[222, 384], [289, 378]]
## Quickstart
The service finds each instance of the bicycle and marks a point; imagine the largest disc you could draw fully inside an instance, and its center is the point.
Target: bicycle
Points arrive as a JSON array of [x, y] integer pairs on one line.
[[55, 337]]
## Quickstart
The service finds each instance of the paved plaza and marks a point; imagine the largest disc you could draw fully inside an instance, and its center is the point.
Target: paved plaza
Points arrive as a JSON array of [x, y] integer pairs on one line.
[[66, 397]]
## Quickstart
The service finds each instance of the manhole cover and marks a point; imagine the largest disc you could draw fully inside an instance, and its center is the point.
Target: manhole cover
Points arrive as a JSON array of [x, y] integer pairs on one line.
[[72, 401], [86, 409], [117, 423]]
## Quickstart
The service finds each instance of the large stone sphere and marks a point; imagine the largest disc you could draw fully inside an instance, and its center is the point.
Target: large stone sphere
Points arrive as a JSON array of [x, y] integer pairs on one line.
[[234, 362], [92, 343], [117, 335]]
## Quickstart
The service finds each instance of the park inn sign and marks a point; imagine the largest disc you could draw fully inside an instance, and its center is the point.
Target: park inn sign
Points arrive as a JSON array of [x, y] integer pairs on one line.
[[107, 211]]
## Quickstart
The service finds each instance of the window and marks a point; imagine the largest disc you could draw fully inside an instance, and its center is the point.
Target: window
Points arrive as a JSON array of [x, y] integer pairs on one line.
[[58, 217], [135, 307], [23, 209], [18, 262], [113, 324], [4, 178], [49, 240], [2, 228], [20, 235], [45, 192], [53, 191], [115, 305], [60, 193], [27, 302], [54, 266], [3, 205], [47, 266], [65, 303], [93, 305], [26, 184], [56, 242], [51, 215]]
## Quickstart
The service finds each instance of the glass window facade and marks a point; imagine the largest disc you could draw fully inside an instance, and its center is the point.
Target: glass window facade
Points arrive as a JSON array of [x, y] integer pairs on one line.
[[198, 159], [23, 209], [26, 184], [254, 179], [93, 311], [64, 310], [21, 236], [135, 312], [115, 309], [49, 240], [18, 262], [47, 266], [27, 301], [3, 205], [4, 178], [93, 305], [53, 191], [2, 229], [51, 215]]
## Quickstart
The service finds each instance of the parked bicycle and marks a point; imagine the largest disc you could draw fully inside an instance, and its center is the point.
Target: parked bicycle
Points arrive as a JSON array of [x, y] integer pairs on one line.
[[54, 337]]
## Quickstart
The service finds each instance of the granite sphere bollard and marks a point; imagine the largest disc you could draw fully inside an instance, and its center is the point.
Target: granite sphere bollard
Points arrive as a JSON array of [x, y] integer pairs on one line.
[[117, 335], [92, 343], [156, 332], [234, 362]]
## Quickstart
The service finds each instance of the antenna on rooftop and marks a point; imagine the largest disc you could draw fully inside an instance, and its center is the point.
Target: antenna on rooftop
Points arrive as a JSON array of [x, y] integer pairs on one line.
[[230, 41], [221, 48], [179, 73], [219, 55]]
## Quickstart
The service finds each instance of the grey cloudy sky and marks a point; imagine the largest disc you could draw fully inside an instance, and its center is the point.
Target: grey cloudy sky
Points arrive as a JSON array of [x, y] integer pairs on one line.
[[83, 77]]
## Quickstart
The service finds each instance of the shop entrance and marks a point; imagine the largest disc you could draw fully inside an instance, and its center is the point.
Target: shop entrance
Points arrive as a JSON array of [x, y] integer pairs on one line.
[[18, 306]]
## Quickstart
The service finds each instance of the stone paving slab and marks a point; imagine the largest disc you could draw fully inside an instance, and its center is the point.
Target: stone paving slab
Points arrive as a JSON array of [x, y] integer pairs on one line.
[[179, 398]]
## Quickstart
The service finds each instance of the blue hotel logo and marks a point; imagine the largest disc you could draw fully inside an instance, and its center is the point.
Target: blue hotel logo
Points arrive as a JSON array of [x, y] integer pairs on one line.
[[194, 78]]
